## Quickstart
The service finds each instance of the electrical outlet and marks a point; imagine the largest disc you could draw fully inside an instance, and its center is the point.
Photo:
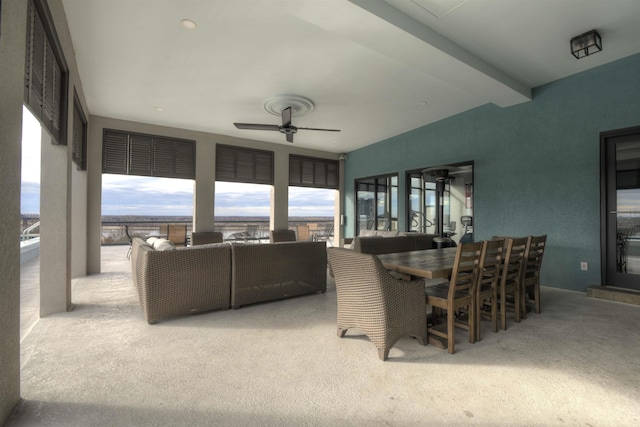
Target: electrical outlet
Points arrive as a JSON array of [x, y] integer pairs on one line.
[[584, 266]]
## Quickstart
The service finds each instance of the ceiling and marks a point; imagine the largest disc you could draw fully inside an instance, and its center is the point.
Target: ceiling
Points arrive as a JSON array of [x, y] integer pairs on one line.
[[373, 68]]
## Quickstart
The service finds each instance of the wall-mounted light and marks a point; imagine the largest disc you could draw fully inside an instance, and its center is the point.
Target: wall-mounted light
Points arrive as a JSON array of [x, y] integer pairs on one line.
[[586, 44]]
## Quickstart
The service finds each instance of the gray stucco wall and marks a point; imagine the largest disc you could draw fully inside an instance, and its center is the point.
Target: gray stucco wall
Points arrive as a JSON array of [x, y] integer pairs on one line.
[[537, 164], [12, 31]]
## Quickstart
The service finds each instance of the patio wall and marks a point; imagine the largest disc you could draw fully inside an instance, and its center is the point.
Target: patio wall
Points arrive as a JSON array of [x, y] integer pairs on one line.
[[537, 164], [14, 16]]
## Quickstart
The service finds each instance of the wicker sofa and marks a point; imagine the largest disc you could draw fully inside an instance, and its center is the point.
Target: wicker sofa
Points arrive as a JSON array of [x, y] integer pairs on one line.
[[175, 282], [267, 272]]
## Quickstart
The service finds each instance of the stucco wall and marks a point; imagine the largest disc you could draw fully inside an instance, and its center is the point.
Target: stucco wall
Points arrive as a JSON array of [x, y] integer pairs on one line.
[[12, 51], [536, 164]]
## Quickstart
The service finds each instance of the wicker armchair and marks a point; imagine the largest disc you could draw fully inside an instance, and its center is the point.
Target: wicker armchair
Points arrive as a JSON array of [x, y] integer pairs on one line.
[[372, 300]]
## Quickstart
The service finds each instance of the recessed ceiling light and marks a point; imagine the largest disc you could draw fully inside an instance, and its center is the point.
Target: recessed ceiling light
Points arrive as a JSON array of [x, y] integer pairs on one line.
[[159, 109], [189, 24], [422, 104]]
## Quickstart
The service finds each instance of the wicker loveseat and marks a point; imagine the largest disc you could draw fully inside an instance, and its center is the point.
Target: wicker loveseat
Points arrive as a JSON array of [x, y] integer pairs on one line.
[[176, 282]]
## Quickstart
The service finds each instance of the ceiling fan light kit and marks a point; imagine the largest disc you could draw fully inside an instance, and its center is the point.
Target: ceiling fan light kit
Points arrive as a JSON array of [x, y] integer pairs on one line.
[[285, 106]]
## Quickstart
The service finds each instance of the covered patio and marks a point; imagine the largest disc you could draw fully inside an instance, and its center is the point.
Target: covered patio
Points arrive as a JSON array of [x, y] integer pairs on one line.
[[281, 363]]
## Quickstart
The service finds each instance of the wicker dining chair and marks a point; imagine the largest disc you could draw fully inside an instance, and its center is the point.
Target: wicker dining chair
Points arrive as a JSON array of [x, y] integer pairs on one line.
[[372, 300], [531, 272], [486, 292], [456, 296]]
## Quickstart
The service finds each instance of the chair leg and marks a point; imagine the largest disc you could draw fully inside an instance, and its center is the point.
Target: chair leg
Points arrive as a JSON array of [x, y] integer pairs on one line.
[[494, 312], [341, 332], [517, 308], [503, 311], [383, 353], [536, 290], [451, 331], [478, 318], [472, 324]]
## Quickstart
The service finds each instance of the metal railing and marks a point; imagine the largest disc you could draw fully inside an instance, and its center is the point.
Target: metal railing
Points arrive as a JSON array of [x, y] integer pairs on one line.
[[240, 230]]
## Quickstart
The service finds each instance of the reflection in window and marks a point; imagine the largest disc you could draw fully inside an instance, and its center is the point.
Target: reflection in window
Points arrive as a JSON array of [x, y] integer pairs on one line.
[[440, 201], [377, 203]]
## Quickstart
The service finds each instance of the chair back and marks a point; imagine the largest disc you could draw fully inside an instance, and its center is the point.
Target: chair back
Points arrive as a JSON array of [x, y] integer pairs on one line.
[[177, 234], [356, 275], [513, 261], [205, 237], [490, 264], [282, 236], [465, 269], [533, 258], [303, 232]]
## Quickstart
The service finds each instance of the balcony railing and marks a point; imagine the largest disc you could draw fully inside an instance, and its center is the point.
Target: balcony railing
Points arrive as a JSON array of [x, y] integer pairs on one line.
[[239, 230]]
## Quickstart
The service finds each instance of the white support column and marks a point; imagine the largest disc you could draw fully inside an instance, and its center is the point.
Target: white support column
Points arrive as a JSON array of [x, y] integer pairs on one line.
[[204, 191], [280, 192], [55, 216]]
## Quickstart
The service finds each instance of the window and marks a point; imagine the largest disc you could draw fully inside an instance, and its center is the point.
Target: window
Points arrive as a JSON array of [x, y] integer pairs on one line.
[[128, 153], [79, 152], [377, 203], [237, 164], [45, 75]]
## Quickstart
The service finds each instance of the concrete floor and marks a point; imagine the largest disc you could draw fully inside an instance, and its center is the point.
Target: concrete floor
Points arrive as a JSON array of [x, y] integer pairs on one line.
[[281, 364]]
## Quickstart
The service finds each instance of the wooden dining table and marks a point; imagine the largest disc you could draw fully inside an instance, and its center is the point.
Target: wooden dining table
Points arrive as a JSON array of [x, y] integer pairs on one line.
[[428, 264]]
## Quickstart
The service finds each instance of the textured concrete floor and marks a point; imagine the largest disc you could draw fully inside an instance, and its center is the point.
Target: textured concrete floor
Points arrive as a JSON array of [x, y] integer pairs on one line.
[[281, 364]]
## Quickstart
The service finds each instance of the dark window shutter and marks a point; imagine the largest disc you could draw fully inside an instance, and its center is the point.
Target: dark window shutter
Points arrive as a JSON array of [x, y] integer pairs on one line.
[[147, 155], [313, 172], [79, 152], [114, 152], [163, 157], [36, 55], [140, 153], [45, 71], [185, 156], [237, 164]]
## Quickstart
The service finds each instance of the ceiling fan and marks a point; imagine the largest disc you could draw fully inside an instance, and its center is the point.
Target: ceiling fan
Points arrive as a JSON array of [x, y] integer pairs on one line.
[[287, 128]]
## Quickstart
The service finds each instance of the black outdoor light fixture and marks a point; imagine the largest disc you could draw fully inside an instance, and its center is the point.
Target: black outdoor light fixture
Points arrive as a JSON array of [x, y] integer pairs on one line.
[[586, 44]]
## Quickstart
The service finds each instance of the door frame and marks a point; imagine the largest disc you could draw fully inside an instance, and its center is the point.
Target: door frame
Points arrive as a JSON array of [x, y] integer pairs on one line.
[[605, 139]]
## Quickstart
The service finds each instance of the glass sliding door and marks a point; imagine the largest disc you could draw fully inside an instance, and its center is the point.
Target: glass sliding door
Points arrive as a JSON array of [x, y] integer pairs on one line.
[[621, 199]]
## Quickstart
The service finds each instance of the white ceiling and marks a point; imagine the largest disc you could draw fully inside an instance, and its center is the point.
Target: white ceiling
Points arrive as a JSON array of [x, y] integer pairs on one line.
[[373, 68]]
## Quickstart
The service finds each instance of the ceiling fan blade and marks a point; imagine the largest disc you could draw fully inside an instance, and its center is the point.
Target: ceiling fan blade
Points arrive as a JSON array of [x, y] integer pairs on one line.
[[290, 138], [255, 126], [327, 130], [286, 117]]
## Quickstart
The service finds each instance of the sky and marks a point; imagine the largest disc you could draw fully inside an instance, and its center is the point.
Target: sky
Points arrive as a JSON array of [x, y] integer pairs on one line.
[[136, 195]]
